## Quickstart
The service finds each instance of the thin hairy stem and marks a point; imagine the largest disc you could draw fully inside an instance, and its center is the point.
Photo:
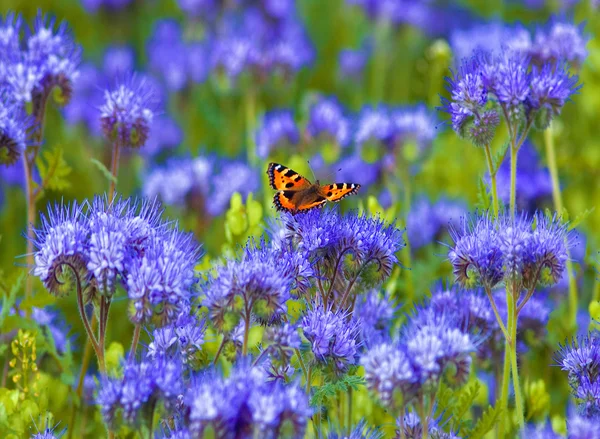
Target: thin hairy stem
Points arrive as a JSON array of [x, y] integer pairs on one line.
[[351, 284], [114, 169], [513, 181], [497, 314], [221, 346], [512, 319], [85, 363], [324, 298], [134, 342], [335, 271], [246, 331], [492, 171], [558, 206], [305, 371]]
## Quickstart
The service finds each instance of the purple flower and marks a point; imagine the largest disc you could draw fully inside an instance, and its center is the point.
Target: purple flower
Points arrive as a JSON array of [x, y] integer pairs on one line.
[[541, 431], [166, 134], [373, 124], [426, 221], [61, 247], [352, 63], [112, 5], [488, 37], [159, 282], [14, 124], [261, 275], [506, 76], [199, 8], [487, 251], [127, 112], [582, 427], [327, 118], [234, 176], [561, 42], [333, 336], [87, 98], [469, 94], [581, 359], [278, 129], [551, 87], [167, 54], [127, 400], [354, 168], [245, 402], [118, 60], [387, 370], [375, 311], [49, 433], [360, 431]]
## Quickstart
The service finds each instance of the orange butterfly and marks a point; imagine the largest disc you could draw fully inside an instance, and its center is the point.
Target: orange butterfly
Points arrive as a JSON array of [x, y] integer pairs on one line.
[[296, 193]]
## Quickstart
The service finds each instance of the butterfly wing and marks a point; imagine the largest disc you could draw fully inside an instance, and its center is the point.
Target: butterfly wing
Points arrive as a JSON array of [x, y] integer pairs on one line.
[[283, 178], [290, 201], [337, 191]]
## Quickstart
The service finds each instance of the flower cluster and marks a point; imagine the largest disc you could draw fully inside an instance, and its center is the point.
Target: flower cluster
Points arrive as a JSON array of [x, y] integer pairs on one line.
[[433, 346], [127, 112], [102, 244], [278, 129], [333, 336], [13, 130], [245, 401], [47, 58], [530, 251], [527, 90], [257, 285], [581, 359], [361, 247]]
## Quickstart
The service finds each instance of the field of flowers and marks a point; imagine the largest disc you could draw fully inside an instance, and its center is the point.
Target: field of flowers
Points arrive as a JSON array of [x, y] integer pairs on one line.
[[168, 270]]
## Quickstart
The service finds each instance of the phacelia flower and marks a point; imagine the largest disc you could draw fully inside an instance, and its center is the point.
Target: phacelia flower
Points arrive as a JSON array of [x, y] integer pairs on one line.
[[329, 235], [159, 282], [352, 63], [61, 248], [14, 124], [488, 37], [127, 112], [327, 119], [360, 431], [373, 125], [413, 124], [246, 402], [278, 130], [332, 336], [581, 360], [551, 88], [582, 427], [427, 221], [376, 312], [118, 60], [488, 251], [562, 42], [167, 54], [49, 433], [260, 278], [388, 370], [234, 176]]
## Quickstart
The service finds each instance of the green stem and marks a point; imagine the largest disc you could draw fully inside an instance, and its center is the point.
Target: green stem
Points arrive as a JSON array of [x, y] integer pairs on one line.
[[410, 288], [558, 206], [379, 62], [134, 342], [513, 180], [246, 334], [505, 386], [492, 171], [250, 114], [114, 170], [221, 346], [512, 316]]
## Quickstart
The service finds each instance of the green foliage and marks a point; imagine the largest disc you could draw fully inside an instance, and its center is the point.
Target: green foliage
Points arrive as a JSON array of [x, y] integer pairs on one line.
[[330, 390], [537, 399], [242, 221], [104, 170], [53, 170], [488, 420]]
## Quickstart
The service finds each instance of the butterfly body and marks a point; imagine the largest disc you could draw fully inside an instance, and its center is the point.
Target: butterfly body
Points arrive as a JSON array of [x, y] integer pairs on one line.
[[296, 193]]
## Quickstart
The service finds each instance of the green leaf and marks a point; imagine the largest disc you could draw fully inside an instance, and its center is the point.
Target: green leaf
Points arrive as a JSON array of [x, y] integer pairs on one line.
[[485, 424], [330, 390], [53, 170], [466, 400], [9, 301], [484, 200], [581, 217], [107, 174]]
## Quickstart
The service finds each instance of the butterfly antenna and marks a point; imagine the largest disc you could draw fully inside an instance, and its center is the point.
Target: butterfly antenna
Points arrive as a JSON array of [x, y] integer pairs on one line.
[[311, 170]]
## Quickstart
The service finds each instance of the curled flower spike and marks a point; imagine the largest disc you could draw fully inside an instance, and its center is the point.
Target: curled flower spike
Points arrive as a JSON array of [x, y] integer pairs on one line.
[[127, 112], [61, 247], [14, 125]]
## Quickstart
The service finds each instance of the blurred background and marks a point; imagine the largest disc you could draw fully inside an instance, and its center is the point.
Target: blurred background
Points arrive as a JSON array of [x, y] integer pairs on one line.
[[344, 89]]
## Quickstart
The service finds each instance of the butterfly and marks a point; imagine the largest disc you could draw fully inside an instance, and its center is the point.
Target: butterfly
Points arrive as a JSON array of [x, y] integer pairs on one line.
[[296, 193]]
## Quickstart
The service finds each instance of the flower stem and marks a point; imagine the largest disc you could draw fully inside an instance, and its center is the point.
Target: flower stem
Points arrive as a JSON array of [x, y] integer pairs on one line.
[[410, 289], [114, 170], [492, 171], [221, 346], [558, 206], [512, 323], [250, 114], [134, 342], [246, 334], [505, 386], [85, 363], [513, 180]]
